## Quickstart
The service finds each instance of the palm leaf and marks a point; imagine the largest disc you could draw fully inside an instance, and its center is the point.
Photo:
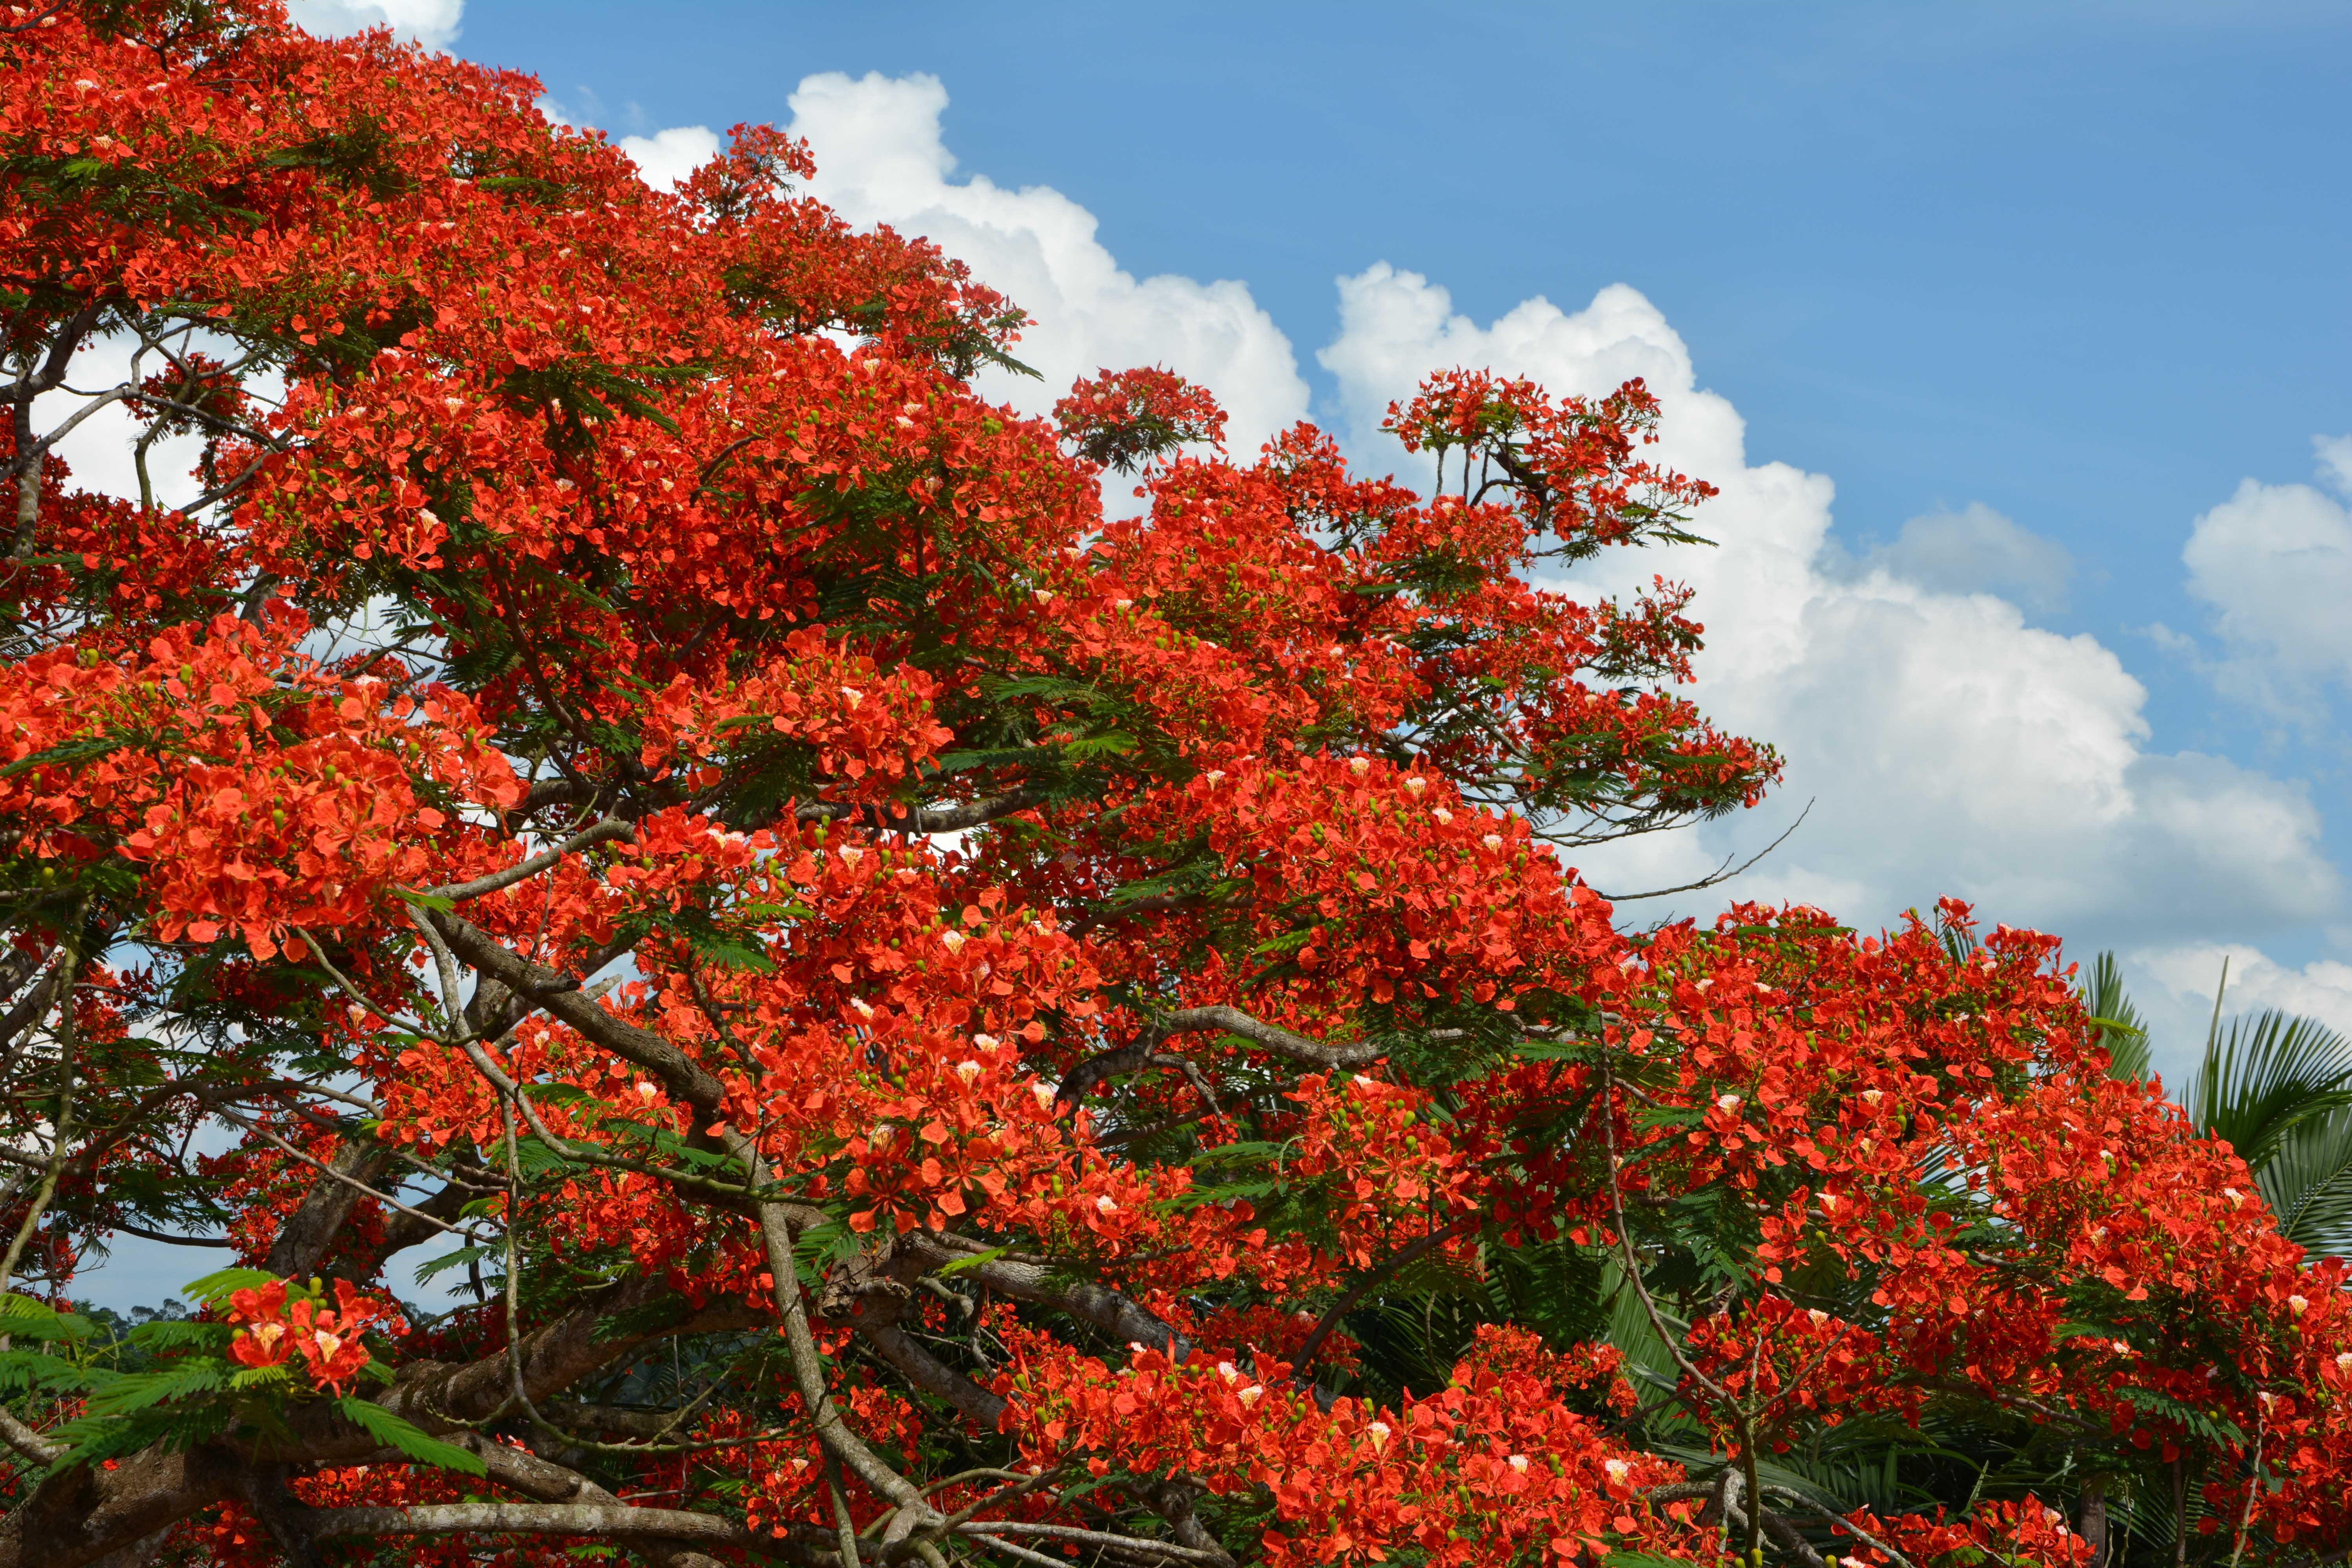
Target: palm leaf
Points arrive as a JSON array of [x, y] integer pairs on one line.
[[2308, 1182], [2265, 1077], [2122, 1032]]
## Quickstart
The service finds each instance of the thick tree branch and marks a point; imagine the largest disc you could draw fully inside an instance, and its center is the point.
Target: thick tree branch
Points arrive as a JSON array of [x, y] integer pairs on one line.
[[892, 818], [1084, 1077], [928, 1372], [544, 1481], [311, 1229], [562, 998], [589, 1521], [27, 1441], [1125, 1321], [842, 1443]]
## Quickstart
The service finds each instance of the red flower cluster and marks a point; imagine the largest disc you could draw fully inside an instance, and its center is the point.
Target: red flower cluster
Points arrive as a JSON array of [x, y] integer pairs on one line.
[[271, 1331]]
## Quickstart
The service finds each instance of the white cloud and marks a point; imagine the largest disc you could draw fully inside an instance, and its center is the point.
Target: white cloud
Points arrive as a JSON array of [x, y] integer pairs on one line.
[[1975, 550], [881, 160], [669, 156], [1951, 747], [433, 23], [2276, 563], [2335, 455], [2174, 986]]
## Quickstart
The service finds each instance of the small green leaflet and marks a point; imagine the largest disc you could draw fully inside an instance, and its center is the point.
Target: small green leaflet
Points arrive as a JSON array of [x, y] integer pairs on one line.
[[974, 1261], [197, 1374], [391, 1430], [72, 752], [38, 1320], [454, 1259], [227, 1282]]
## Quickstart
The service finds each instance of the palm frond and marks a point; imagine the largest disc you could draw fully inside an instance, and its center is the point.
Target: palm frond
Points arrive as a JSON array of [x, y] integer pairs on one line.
[[2266, 1076], [2308, 1183], [2122, 1031], [1649, 1358]]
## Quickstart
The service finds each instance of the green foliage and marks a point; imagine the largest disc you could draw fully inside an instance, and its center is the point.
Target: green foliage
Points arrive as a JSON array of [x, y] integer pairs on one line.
[[2123, 1033], [2266, 1078], [395, 1433]]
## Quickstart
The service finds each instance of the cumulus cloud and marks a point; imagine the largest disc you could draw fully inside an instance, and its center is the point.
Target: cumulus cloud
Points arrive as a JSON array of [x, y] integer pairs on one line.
[[433, 23], [2175, 987], [1950, 746], [881, 158], [1973, 551], [669, 156], [2335, 455], [2274, 562]]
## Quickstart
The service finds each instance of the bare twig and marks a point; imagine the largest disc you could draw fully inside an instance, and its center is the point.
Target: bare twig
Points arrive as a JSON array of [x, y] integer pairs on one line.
[[1403, 1258], [1720, 874]]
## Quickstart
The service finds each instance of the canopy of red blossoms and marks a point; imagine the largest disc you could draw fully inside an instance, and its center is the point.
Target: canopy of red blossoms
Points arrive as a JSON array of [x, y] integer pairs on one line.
[[566, 743]]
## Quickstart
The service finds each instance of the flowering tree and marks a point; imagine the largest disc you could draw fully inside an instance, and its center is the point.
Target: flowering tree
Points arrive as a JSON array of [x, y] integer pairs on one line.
[[927, 1024]]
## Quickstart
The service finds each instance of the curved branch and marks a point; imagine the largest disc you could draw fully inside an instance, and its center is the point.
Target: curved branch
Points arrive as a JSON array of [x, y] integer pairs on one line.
[[1720, 874], [1132, 1058], [27, 1441], [1402, 1257], [595, 833], [926, 819]]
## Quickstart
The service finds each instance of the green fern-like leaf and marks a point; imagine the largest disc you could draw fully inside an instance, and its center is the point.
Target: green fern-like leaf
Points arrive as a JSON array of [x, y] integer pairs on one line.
[[393, 1432]]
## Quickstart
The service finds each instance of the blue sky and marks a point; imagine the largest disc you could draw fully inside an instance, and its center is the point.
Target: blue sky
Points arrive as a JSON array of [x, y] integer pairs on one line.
[[2086, 264], [1983, 315]]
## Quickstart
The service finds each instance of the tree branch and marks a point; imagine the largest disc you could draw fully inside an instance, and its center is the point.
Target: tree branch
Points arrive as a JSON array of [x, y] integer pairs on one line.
[[928, 1372], [602, 1521], [926, 819], [1132, 1058], [596, 833], [1402, 1257]]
